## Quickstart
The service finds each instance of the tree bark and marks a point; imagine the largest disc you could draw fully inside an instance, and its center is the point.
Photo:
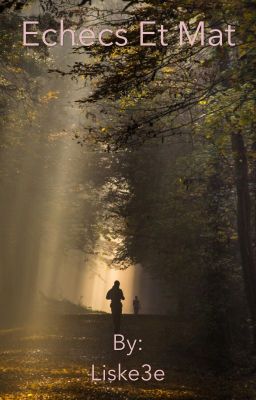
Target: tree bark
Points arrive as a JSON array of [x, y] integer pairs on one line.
[[254, 197], [244, 225]]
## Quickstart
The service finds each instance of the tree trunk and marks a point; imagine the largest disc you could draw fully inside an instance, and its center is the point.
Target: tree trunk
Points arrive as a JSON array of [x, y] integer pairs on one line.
[[244, 225], [254, 197]]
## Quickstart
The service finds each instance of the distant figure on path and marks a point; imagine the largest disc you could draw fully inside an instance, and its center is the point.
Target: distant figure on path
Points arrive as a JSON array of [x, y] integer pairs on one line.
[[115, 294], [136, 305]]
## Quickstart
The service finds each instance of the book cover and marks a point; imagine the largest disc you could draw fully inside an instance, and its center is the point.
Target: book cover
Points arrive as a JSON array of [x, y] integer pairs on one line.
[[128, 200]]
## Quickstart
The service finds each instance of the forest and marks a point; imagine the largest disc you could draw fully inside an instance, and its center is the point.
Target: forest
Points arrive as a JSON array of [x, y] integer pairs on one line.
[[131, 156]]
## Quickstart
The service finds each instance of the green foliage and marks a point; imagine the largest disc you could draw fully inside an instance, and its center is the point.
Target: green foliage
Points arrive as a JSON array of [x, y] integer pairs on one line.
[[20, 86]]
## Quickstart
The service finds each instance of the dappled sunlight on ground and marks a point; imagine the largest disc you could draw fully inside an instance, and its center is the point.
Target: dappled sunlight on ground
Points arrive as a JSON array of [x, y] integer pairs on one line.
[[53, 362]]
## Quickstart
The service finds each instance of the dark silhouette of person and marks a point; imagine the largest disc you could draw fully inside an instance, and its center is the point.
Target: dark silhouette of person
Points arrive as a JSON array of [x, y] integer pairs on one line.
[[115, 294], [136, 305]]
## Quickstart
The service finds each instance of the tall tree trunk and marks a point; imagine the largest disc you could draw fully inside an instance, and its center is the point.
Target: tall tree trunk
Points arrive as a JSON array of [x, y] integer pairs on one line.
[[218, 301], [254, 197], [244, 224]]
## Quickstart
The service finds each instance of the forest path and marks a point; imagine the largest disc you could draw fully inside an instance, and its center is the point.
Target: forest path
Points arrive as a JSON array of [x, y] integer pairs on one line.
[[53, 361]]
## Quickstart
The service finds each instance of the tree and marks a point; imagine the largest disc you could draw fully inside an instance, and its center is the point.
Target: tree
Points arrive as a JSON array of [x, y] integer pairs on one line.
[[167, 90]]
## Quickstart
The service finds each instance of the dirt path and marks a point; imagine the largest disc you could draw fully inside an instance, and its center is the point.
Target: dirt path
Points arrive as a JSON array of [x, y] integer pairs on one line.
[[54, 361]]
